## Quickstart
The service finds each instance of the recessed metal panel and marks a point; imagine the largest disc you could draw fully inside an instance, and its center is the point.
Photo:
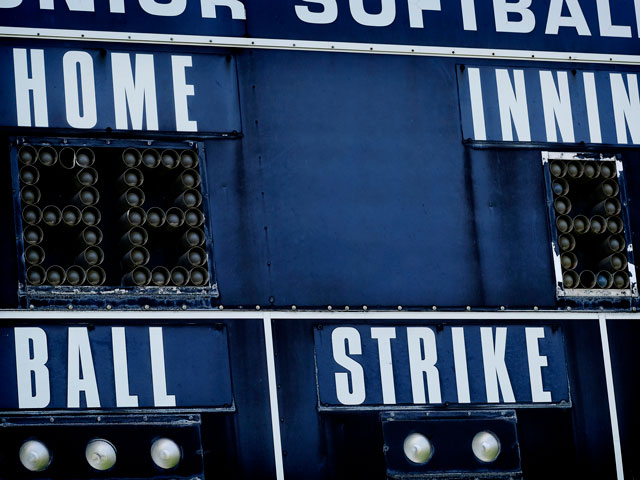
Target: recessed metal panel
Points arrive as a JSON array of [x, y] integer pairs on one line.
[[365, 367], [80, 367]]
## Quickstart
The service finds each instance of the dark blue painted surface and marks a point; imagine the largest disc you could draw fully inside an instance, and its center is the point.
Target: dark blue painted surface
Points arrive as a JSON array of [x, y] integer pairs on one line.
[[198, 376], [352, 185], [212, 102]]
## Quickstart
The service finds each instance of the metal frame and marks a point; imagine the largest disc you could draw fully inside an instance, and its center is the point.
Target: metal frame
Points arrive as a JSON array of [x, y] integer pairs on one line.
[[88, 295], [315, 45], [595, 293]]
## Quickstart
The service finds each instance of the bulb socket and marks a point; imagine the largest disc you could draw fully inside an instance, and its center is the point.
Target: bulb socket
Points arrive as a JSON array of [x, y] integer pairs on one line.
[[34, 255], [199, 276], [150, 158], [169, 159], [31, 214], [160, 276], [71, 216], [90, 257], [138, 277], [76, 275], [131, 157], [51, 215], [29, 195], [47, 156], [32, 234], [36, 275], [156, 218], [29, 175], [189, 159], [85, 157], [133, 217], [179, 276], [175, 218], [27, 155], [86, 177], [67, 158], [96, 276], [56, 275], [91, 216]]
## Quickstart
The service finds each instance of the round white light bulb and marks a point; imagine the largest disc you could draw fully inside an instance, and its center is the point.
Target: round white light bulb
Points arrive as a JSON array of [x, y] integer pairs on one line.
[[486, 447], [165, 453], [101, 454], [418, 448], [34, 456]]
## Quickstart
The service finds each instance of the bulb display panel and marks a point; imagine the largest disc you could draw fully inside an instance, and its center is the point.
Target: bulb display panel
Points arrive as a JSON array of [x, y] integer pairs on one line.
[[112, 216]]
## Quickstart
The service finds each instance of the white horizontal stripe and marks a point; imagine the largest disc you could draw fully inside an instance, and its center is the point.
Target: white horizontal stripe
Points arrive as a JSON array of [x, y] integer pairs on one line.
[[315, 45]]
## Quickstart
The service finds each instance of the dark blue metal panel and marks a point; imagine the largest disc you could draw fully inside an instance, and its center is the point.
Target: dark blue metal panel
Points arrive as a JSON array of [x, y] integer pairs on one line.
[[198, 377]]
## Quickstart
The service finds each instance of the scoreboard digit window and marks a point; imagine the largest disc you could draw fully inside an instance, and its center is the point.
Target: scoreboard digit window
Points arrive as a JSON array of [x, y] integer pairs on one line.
[[591, 241], [115, 219]]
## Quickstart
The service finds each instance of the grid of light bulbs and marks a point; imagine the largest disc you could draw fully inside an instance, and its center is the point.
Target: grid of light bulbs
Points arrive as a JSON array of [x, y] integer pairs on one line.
[[589, 224], [172, 221]]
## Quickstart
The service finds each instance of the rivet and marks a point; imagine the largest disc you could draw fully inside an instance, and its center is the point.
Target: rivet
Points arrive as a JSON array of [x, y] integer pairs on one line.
[[634, 309], [31, 307], [434, 308], [184, 307], [220, 307], [568, 309], [535, 308], [108, 307], [70, 307], [147, 307], [329, 307], [399, 307], [52, 419], [293, 307], [364, 307], [99, 419], [257, 307], [468, 308], [346, 308], [502, 308]]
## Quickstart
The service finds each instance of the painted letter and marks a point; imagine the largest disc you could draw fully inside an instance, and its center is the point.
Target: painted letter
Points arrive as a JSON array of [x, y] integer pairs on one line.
[[182, 90], [501, 10], [121, 370], [383, 19], [36, 84], [138, 95], [576, 19], [329, 13], [209, 8], [10, 3], [341, 351], [477, 105], [171, 9], [74, 5], [469, 15], [158, 372], [384, 335], [460, 362], [32, 394], [495, 370], [419, 338], [607, 29], [593, 114], [557, 106], [513, 105], [81, 373], [626, 107], [89, 116], [415, 11], [536, 362]]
